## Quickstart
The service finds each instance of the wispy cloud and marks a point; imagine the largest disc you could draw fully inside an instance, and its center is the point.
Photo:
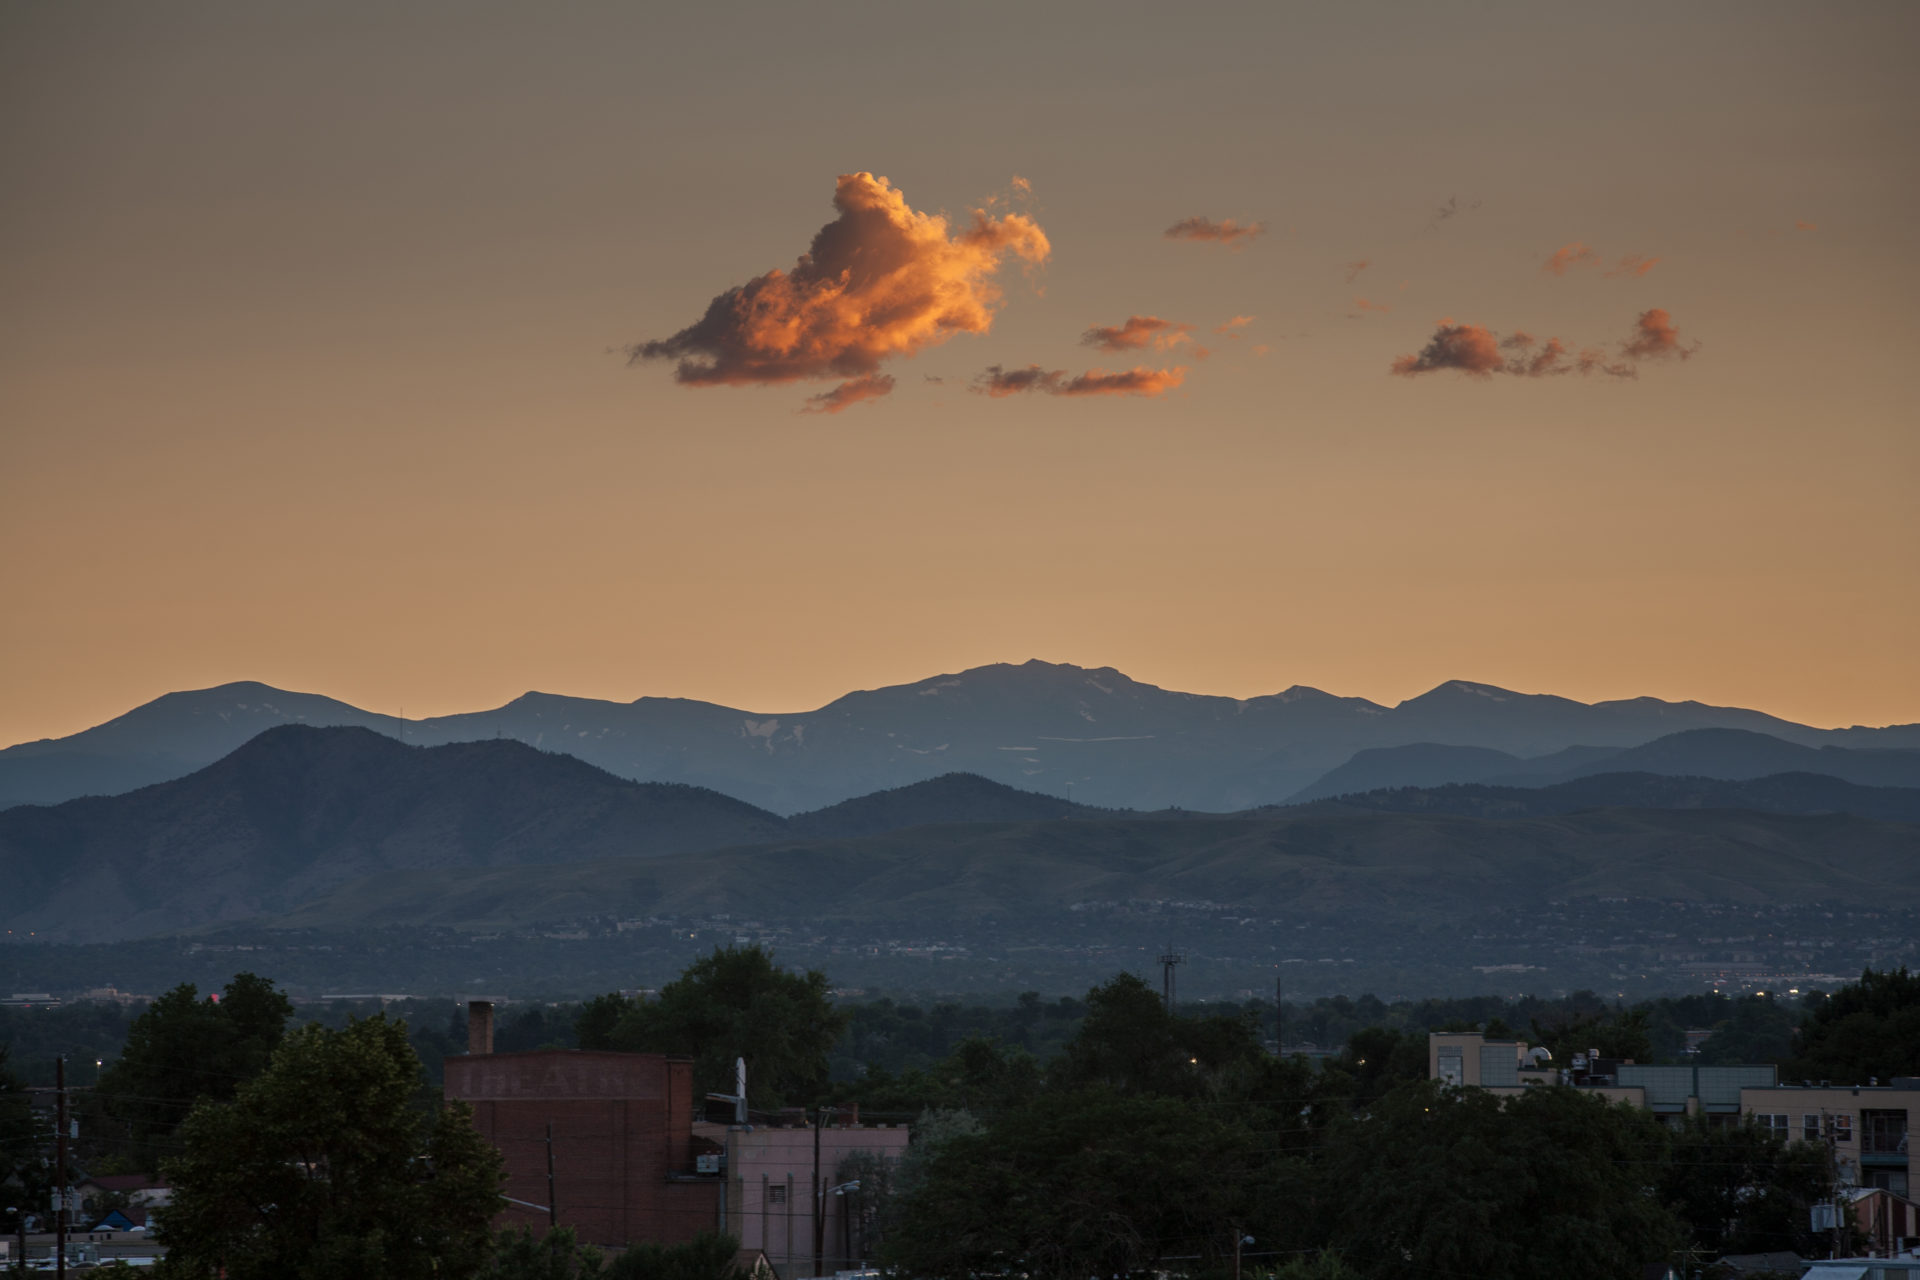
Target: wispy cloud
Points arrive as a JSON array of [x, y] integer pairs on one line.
[[1231, 327], [1800, 224], [1579, 254], [850, 393], [1632, 265], [1138, 332], [1450, 210], [1362, 307], [1355, 267], [1226, 231], [881, 280], [1567, 256], [998, 381]]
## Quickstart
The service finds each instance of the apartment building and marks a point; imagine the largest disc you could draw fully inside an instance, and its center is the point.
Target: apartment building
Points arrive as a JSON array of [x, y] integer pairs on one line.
[[1866, 1125], [1508, 1066]]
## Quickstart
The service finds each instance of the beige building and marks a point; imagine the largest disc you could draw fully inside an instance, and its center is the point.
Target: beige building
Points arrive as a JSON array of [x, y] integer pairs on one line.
[[1508, 1066], [1867, 1125]]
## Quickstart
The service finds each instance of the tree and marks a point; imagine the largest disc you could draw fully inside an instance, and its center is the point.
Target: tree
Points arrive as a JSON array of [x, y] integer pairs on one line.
[[707, 1256], [1623, 1034], [1088, 1181], [24, 1176], [320, 1168], [1438, 1181], [735, 1003], [1867, 1028], [558, 1255], [1379, 1060], [1743, 1189], [1130, 1042], [183, 1049]]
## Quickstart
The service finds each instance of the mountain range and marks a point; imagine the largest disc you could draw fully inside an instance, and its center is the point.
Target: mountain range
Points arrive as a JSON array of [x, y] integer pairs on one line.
[[1090, 735], [1731, 754], [333, 826]]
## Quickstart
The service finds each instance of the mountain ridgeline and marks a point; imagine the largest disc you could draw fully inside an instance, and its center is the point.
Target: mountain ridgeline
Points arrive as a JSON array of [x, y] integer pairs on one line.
[[340, 827], [1090, 735]]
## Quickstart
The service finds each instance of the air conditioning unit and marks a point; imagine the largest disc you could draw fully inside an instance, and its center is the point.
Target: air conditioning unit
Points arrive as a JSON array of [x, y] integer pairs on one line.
[[714, 1163]]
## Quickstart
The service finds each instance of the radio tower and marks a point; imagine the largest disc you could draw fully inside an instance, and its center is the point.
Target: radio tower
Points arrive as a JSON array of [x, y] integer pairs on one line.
[[1167, 961]]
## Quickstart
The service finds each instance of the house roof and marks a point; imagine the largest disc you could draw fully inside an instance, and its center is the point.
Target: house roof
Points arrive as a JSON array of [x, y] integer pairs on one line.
[[125, 1182]]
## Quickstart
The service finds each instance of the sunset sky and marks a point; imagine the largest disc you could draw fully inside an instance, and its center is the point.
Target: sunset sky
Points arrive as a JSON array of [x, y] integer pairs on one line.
[[387, 350]]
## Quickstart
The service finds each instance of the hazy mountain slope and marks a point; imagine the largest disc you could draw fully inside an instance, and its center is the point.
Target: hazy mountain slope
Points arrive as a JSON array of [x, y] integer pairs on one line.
[[299, 810], [1734, 754], [1089, 734], [1696, 753], [953, 797], [1433, 764], [1804, 793], [1403, 868], [167, 738]]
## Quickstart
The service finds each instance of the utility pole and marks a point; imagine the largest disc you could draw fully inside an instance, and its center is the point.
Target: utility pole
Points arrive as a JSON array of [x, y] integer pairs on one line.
[[1167, 961], [1279, 1017], [819, 1200], [1833, 1166], [553, 1206], [59, 1169]]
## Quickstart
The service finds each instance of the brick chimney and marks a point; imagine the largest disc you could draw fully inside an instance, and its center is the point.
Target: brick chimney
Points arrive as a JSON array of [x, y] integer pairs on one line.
[[479, 1026]]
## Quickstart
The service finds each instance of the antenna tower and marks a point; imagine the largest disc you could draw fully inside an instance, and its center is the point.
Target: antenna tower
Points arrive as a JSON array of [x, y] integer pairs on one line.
[[1167, 985]]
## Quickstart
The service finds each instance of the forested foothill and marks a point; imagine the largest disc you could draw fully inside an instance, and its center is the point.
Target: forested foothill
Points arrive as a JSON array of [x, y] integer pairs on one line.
[[1105, 1135]]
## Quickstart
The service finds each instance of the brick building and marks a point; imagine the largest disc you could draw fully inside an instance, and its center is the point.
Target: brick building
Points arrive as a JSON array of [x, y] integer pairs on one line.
[[622, 1147]]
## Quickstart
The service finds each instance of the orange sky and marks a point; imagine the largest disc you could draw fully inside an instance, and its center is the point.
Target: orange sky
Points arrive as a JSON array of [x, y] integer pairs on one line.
[[312, 327]]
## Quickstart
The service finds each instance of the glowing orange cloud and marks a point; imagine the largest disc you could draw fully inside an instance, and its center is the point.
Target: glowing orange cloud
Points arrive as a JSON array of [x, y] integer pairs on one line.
[[1238, 322], [1226, 231], [1365, 306], [1656, 337], [1140, 381], [880, 280], [1355, 267], [1633, 265], [850, 393], [1800, 225], [1576, 254], [1137, 332]]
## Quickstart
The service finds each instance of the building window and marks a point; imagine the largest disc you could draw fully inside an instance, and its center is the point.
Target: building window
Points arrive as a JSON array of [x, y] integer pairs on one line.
[[776, 1195], [1843, 1128], [1810, 1128], [1452, 1065], [1776, 1126]]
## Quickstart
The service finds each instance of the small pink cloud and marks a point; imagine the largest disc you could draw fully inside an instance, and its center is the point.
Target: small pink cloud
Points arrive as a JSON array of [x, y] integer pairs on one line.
[[1576, 254], [1138, 332], [1656, 337], [850, 393]]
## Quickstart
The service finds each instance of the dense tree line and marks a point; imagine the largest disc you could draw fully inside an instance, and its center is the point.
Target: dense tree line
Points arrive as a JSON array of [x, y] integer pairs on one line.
[[1155, 1142], [1102, 1136]]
